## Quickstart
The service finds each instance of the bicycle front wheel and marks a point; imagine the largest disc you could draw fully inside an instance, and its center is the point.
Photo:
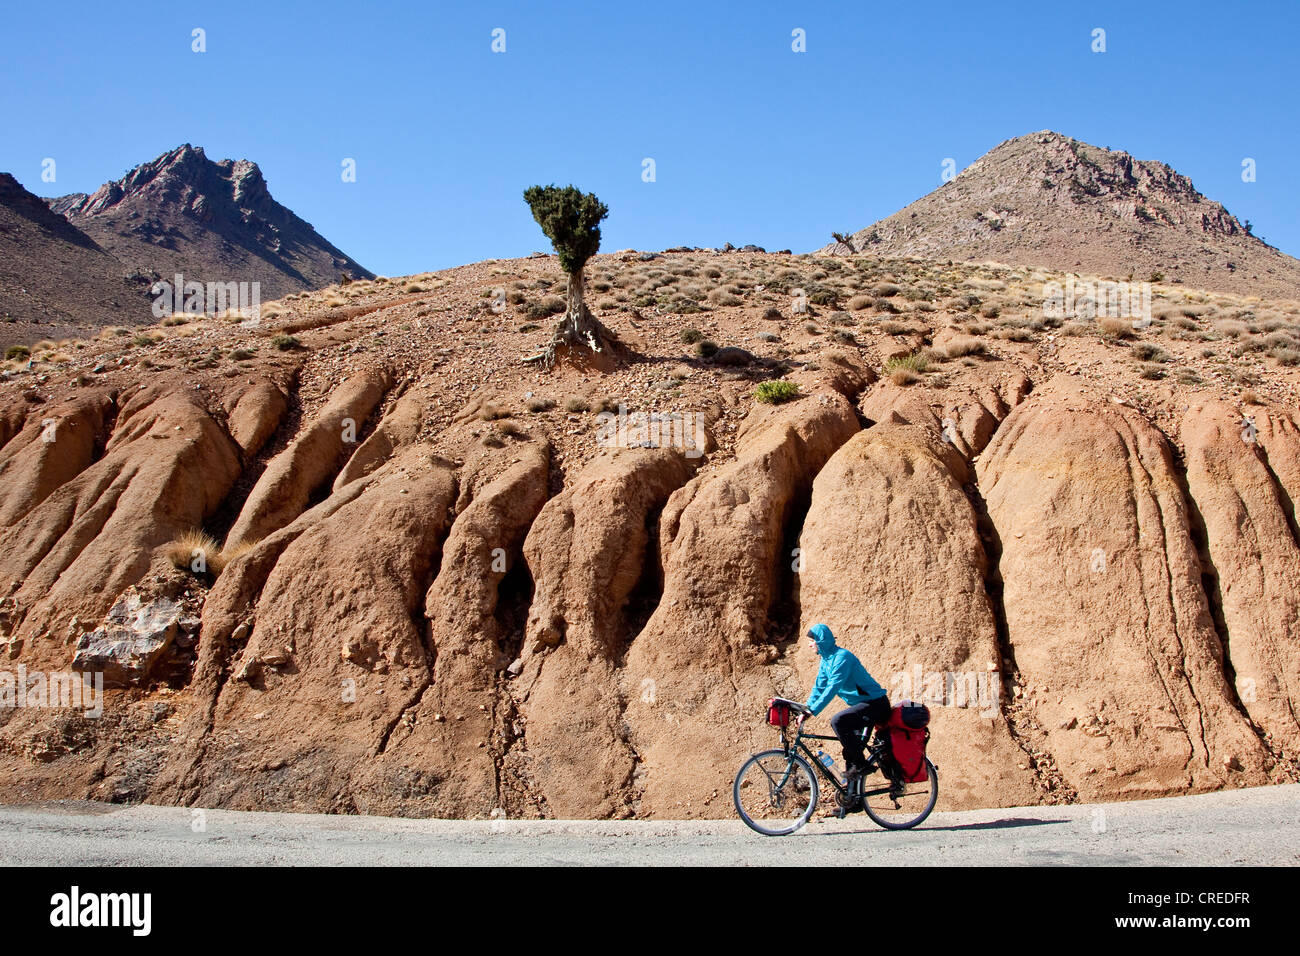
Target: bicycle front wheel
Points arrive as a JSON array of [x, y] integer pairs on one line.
[[906, 809], [775, 792]]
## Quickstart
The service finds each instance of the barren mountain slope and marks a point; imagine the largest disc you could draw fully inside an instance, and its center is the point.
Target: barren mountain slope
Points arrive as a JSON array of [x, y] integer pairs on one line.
[[441, 591], [53, 275], [1050, 201]]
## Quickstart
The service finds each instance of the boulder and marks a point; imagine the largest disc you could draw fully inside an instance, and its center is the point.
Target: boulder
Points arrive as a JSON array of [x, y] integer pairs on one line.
[[135, 633]]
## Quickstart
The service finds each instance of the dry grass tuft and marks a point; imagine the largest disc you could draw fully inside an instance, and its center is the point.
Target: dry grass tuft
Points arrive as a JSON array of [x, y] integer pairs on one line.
[[198, 552]]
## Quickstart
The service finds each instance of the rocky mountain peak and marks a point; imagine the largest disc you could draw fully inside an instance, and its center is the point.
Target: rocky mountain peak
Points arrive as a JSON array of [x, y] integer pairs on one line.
[[1048, 200], [184, 212]]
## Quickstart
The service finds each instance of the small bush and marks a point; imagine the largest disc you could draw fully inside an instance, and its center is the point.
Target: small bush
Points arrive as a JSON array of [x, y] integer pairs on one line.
[[776, 392], [886, 289], [904, 376], [773, 315], [16, 353], [691, 336], [706, 348], [576, 403], [542, 308], [285, 342], [1150, 352], [963, 345], [539, 404], [1112, 329], [241, 355], [721, 297], [916, 362], [860, 302], [491, 412]]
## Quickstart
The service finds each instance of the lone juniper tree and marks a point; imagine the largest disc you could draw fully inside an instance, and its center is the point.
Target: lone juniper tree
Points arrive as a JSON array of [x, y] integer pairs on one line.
[[843, 239], [571, 220]]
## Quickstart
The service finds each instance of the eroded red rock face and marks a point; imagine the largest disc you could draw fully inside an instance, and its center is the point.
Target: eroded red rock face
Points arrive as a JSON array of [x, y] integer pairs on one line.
[[438, 589], [1119, 661]]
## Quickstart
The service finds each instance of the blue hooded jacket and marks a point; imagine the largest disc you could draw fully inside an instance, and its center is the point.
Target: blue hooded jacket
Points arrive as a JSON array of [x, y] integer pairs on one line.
[[840, 674]]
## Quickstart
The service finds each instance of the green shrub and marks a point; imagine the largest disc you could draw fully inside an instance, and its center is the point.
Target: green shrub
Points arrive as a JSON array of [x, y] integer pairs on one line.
[[916, 362], [285, 342], [776, 392], [691, 336]]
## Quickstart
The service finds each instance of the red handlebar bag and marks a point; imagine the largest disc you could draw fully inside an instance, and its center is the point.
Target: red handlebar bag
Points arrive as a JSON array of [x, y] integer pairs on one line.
[[778, 714]]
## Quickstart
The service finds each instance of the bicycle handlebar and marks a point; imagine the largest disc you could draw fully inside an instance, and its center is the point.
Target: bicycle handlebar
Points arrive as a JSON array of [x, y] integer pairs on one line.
[[794, 705]]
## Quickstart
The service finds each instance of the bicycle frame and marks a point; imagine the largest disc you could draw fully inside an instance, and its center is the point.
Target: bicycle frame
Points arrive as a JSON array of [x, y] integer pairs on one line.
[[798, 745]]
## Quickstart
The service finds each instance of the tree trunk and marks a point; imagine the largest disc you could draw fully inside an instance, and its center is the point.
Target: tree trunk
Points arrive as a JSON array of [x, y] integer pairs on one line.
[[579, 331]]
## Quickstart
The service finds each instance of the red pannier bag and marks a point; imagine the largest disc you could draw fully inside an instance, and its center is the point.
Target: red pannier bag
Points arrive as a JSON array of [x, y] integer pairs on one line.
[[907, 737], [778, 713]]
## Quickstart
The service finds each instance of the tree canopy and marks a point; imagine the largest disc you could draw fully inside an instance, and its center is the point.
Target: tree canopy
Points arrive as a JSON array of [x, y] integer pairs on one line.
[[571, 220]]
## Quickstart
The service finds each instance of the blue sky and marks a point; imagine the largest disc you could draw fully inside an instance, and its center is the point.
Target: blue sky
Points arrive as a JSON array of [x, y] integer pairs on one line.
[[752, 142]]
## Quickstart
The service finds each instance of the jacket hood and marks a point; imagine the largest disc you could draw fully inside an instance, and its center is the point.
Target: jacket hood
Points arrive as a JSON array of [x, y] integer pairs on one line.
[[823, 637]]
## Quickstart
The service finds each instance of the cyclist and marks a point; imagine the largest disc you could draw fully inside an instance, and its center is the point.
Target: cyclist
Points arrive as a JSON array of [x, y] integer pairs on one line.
[[842, 675]]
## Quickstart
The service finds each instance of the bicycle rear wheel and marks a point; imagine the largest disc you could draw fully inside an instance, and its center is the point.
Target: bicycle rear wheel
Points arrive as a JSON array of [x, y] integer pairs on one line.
[[775, 792], [908, 808]]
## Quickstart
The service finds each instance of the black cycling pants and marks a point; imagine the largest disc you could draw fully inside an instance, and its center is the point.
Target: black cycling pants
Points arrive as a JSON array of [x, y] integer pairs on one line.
[[852, 719]]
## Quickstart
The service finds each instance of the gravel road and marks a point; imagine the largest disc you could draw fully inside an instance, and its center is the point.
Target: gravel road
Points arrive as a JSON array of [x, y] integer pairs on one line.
[[1254, 826]]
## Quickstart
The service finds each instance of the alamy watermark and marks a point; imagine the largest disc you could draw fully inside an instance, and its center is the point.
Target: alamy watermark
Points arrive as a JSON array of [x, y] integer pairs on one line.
[[213, 298], [973, 689], [133, 911], [684, 430], [1087, 299], [59, 689]]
